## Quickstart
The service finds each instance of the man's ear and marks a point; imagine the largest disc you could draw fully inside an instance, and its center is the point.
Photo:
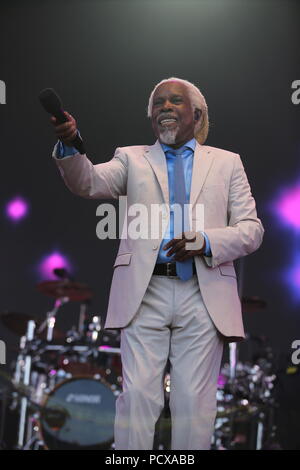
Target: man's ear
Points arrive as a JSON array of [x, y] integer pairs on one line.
[[197, 114]]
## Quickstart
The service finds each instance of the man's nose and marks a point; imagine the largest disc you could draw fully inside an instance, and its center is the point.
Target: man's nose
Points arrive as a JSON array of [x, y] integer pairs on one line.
[[167, 106]]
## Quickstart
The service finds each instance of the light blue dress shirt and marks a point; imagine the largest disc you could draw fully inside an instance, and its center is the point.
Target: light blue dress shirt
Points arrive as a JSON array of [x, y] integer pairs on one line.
[[61, 150]]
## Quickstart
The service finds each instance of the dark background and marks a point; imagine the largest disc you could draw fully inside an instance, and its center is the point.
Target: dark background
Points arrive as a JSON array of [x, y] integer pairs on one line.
[[104, 58]]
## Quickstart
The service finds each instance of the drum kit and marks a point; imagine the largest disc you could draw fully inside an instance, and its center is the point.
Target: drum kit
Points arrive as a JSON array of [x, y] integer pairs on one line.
[[65, 385], [246, 403], [246, 417]]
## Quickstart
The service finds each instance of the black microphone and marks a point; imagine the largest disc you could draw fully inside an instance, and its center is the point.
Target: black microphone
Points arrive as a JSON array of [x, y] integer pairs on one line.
[[53, 105]]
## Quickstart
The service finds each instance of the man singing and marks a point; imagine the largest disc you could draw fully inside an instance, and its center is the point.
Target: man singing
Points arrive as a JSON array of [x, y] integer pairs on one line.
[[169, 301]]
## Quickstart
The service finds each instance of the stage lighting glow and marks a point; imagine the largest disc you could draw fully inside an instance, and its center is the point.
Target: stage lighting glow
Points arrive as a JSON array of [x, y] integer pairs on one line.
[[296, 277], [222, 380], [293, 278], [288, 207], [17, 209], [53, 261]]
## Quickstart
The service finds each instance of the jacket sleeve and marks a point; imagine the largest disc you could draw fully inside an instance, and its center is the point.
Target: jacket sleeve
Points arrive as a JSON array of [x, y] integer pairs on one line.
[[244, 232], [103, 181]]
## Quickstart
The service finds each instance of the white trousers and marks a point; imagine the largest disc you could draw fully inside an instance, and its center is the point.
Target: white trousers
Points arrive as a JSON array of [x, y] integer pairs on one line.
[[172, 322]]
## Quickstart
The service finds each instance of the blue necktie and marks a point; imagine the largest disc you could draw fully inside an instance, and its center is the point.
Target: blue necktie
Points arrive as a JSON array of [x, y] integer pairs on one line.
[[184, 268]]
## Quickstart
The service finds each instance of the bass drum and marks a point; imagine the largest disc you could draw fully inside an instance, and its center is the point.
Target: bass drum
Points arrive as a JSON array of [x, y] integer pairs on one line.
[[79, 414]]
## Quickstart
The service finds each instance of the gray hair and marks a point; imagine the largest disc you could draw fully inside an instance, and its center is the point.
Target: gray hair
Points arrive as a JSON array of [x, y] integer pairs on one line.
[[197, 102]]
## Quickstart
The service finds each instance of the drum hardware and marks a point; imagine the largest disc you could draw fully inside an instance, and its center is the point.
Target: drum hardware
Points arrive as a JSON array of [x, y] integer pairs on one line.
[[82, 317], [249, 305], [72, 291], [245, 406], [93, 329], [50, 320], [64, 291], [245, 389], [73, 336]]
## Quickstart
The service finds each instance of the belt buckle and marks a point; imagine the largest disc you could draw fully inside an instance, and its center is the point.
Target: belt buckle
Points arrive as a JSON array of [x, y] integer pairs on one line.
[[169, 269]]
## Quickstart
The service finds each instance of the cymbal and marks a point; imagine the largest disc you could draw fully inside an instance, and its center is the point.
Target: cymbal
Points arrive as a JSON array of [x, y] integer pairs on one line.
[[253, 304], [17, 323], [75, 291]]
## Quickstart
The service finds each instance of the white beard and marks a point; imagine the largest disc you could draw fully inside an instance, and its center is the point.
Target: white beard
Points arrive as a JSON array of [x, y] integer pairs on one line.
[[168, 136]]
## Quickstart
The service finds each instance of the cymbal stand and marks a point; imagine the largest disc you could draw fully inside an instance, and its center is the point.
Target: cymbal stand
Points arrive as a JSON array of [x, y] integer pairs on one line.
[[50, 320], [233, 347], [233, 354], [22, 376], [82, 318]]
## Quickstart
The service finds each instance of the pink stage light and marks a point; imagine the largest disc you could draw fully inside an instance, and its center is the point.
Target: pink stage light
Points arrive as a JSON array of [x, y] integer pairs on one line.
[[53, 261], [17, 209], [288, 207]]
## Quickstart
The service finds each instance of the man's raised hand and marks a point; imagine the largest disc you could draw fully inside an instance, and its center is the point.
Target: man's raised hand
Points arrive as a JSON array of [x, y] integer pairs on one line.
[[67, 131]]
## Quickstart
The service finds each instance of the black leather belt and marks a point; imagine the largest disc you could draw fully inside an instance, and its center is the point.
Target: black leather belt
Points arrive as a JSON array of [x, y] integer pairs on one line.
[[168, 269]]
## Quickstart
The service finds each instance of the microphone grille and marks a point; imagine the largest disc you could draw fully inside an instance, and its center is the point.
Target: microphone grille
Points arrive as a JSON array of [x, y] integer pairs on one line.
[[50, 100]]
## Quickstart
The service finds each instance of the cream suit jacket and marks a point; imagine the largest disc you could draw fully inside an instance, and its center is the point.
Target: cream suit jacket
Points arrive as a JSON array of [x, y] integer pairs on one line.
[[219, 182]]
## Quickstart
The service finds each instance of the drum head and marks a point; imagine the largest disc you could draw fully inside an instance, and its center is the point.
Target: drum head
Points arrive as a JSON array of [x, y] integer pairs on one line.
[[79, 414]]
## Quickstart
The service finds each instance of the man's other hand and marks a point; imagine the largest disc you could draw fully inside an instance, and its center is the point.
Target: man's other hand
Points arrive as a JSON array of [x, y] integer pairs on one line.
[[178, 246]]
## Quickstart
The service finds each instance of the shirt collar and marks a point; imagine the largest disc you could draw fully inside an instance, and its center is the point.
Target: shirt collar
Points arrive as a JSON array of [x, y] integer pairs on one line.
[[191, 144]]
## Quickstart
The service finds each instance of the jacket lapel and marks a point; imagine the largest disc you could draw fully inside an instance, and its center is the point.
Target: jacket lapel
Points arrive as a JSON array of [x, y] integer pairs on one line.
[[203, 158], [156, 157]]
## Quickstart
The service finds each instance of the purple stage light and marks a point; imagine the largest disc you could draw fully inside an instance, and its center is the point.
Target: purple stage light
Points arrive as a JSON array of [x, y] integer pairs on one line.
[[292, 276], [222, 380], [17, 209], [295, 277], [53, 261], [287, 207]]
